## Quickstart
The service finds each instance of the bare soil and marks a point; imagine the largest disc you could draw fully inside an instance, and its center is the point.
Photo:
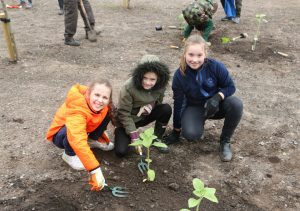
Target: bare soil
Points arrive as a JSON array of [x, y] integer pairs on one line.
[[264, 174]]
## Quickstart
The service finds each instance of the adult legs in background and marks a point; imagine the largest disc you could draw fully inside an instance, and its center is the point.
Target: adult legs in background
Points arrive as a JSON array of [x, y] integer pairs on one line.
[[90, 34], [61, 7], [238, 7], [71, 18]]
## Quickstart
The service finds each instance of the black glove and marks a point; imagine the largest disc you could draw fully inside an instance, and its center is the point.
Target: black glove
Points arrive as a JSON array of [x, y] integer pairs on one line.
[[212, 106], [172, 138]]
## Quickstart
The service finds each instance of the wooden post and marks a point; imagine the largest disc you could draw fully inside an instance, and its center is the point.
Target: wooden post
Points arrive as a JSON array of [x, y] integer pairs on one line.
[[126, 3], [9, 38]]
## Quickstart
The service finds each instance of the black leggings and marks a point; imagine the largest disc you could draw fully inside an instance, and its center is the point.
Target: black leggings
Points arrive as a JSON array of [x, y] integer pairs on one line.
[[161, 113], [193, 118]]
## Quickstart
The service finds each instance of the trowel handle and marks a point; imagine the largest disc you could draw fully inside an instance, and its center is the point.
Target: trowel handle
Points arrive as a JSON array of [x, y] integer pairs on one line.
[[235, 38], [139, 150]]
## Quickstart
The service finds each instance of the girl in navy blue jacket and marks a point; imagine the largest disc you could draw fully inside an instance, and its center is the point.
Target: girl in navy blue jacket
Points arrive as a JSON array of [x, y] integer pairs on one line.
[[203, 89]]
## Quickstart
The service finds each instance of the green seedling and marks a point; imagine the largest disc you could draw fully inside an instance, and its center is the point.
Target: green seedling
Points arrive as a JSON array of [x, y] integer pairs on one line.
[[260, 18], [147, 140], [225, 40], [201, 192]]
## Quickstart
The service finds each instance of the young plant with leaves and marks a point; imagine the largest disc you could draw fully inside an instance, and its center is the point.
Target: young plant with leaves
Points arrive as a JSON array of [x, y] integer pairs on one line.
[[201, 192], [147, 139], [260, 18]]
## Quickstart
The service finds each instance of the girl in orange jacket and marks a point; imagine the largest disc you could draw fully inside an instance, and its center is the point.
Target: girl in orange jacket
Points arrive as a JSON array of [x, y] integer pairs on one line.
[[79, 125]]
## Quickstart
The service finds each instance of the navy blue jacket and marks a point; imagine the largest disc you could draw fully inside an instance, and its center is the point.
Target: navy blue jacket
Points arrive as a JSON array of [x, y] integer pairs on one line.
[[196, 86]]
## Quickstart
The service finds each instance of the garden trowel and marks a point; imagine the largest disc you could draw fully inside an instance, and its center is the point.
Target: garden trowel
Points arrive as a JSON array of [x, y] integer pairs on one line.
[[225, 40], [242, 35], [91, 33]]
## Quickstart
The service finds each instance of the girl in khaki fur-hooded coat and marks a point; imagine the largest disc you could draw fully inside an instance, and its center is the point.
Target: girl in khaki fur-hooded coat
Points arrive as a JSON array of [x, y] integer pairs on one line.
[[140, 103]]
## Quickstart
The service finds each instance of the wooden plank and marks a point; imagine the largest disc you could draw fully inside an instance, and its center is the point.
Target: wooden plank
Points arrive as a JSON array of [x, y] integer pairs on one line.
[[8, 36], [126, 3]]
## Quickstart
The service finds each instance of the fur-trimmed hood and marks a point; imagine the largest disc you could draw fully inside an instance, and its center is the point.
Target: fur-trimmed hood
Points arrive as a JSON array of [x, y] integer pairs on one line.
[[157, 67]]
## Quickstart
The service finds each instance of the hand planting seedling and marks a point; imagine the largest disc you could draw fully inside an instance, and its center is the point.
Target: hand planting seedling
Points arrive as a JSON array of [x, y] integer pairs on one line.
[[260, 18], [201, 192], [146, 139]]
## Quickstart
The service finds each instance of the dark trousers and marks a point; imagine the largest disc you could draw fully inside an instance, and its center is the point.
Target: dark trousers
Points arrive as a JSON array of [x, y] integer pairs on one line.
[[60, 138], [193, 118], [206, 29], [61, 4], [71, 16], [161, 114], [238, 6]]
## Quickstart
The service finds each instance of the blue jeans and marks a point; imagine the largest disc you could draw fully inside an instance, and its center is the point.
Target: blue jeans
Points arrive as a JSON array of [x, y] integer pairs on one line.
[[193, 119], [61, 141], [61, 4]]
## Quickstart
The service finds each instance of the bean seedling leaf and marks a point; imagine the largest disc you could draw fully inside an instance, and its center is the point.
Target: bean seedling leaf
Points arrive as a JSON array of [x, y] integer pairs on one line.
[[210, 194], [193, 202], [198, 184], [149, 132], [136, 143], [148, 160], [225, 40], [159, 144], [151, 175], [198, 193], [147, 142]]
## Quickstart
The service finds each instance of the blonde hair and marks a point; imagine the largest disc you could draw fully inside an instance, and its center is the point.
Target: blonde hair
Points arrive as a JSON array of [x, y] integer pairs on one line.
[[191, 40]]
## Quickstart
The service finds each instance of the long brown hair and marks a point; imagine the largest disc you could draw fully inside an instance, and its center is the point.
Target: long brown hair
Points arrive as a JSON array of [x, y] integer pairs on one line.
[[193, 39], [112, 112]]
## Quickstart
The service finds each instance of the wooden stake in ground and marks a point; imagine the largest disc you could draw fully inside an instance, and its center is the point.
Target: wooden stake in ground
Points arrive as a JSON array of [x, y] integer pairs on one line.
[[126, 3], [8, 35]]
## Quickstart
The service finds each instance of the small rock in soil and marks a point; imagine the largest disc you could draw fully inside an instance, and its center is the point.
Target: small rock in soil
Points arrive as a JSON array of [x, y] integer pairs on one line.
[[174, 186]]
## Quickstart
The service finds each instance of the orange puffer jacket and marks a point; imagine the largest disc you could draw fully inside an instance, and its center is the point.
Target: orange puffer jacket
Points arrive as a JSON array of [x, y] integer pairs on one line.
[[79, 120]]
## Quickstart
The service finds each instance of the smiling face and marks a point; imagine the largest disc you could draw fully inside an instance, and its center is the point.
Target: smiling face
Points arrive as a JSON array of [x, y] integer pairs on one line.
[[149, 80], [195, 55], [99, 96]]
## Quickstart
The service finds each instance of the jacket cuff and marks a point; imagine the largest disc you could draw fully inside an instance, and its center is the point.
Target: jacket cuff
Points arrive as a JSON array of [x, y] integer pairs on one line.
[[134, 135], [96, 170]]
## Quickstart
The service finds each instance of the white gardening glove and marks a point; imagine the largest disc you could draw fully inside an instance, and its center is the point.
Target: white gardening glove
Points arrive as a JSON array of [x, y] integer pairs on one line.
[[97, 180]]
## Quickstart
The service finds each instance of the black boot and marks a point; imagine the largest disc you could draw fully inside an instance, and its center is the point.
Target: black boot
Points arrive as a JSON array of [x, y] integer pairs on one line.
[[225, 152], [159, 131], [70, 41]]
